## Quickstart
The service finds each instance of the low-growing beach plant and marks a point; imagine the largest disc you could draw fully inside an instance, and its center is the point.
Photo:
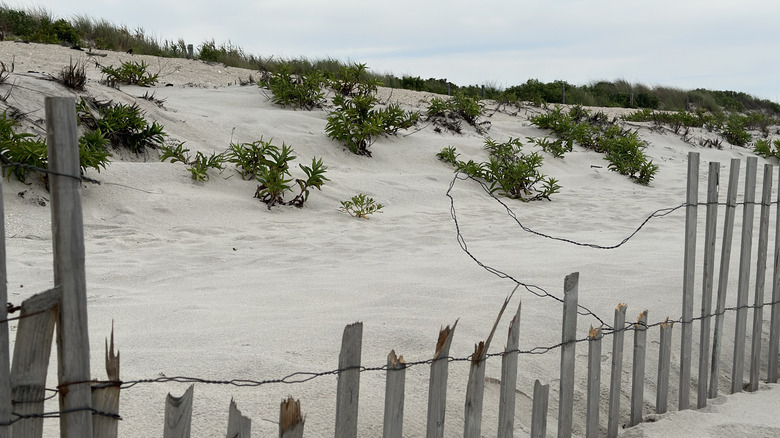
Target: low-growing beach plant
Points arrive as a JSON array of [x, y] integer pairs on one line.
[[30, 151], [354, 80], [269, 165], [129, 73], [622, 148], [556, 148], [448, 113], [122, 125], [767, 148], [197, 166], [358, 123], [74, 75], [360, 206], [315, 178], [299, 91], [510, 171]]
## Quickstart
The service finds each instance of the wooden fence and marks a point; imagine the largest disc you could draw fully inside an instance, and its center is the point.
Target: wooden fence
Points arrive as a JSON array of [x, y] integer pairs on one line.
[[88, 408]]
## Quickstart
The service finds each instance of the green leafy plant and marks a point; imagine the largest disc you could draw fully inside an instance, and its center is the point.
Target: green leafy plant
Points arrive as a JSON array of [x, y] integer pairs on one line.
[[353, 80], [556, 148], [122, 125], [270, 166], [198, 166], [510, 171], [766, 148], [315, 178], [299, 91], [30, 151], [129, 73], [449, 113], [361, 206], [358, 123]]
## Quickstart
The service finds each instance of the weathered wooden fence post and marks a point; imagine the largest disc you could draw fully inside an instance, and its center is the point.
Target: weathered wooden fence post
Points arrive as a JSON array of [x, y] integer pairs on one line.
[[394, 396], [475, 389], [5, 351], [190, 51], [178, 415], [506, 404], [569, 344], [638, 375], [691, 200], [348, 391], [664, 363], [723, 277], [708, 272], [594, 383], [737, 373], [617, 371], [239, 426], [437, 388], [758, 301], [290, 420], [539, 412], [105, 397], [69, 271], [774, 325], [32, 350]]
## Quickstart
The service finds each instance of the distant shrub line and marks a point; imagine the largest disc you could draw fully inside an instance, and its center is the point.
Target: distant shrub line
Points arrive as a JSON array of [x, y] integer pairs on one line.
[[37, 25]]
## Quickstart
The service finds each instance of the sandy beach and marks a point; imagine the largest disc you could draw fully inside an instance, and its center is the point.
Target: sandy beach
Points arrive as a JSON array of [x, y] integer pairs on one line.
[[202, 280]]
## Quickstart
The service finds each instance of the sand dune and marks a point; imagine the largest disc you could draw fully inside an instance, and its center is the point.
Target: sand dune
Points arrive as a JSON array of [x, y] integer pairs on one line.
[[202, 280]]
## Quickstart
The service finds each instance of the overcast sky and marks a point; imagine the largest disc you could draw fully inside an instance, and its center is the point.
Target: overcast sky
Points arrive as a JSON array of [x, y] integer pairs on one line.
[[715, 44]]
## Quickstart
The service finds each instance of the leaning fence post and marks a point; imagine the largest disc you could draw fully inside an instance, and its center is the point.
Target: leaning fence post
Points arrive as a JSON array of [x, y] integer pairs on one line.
[[394, 396], [758, 301], [506, 404], [32, 351], [737, 372], [691, 200], [5, 351], [105, 396], [437, 388], [69, 271], [774, 325], [349, 381], [617, 370], [723, 278], [638, 375], [290, 420], [539, 412], [568, 345], [178, 415], [706, 294], [239, 426], [664, 362], [475, 389], [594, 383]]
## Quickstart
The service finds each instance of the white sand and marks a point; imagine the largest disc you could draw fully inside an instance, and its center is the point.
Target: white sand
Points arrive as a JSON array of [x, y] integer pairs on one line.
[[202, 280]]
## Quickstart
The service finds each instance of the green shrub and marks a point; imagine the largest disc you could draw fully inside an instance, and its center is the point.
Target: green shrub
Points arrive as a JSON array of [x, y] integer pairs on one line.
[[623, 149], [122, 125], [766, 148], [357, 123], [556, 148], [361, 206], [198, 166], [130, 73], [294, 90], [448, 113], [734, 131], [353, 80], [30, 150], [509, 171], [270, 166]]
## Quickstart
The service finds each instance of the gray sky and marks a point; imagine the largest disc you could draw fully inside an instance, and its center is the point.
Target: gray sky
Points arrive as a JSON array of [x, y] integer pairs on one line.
[[715, 44]]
